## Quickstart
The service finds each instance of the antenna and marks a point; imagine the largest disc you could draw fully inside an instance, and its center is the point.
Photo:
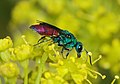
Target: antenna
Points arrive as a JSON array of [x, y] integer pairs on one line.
[[88, 54]]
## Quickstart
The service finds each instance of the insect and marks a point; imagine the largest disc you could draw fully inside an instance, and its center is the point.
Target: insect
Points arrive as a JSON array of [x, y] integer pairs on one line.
[[63, 38]]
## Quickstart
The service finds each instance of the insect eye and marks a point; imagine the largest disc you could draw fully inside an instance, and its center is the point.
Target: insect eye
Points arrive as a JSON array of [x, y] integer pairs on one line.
[[80, 48]]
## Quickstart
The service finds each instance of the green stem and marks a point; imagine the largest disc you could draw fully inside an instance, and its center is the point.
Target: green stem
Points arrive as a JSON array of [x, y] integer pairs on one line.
[[24, 64], [12, 80], [41, 66], [26, 76], [40, 70], [88, 81], [0, 81], [6, 80]]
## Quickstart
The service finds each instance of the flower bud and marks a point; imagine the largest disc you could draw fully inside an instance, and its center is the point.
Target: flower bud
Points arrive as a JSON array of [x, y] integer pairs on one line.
[[5, 43], [23, 52], [9, 70]]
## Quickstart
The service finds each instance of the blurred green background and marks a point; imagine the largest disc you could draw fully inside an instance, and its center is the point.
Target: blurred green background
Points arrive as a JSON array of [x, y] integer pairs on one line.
[[96, 23]]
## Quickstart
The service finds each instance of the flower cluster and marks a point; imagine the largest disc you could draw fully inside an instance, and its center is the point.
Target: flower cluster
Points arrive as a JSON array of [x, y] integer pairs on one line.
[[42, 63]]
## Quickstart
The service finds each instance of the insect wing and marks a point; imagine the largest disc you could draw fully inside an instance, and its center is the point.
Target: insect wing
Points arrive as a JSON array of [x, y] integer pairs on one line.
[[46, 29]]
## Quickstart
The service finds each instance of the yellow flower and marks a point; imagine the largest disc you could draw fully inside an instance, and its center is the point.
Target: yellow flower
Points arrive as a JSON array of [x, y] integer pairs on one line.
[[5, 43], [23, 52], [9, 70]]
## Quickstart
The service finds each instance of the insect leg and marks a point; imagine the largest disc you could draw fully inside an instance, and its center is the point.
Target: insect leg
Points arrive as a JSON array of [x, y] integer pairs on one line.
[[38, 43], [42, 42], [62, 52], [41, 39], [68, 52], [52, 42], [69, 46], [65, 49]]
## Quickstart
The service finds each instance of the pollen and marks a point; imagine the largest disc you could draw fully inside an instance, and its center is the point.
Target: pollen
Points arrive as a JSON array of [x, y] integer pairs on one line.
[[116, 77], [47, 75], [60, 62], [73, 59]]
